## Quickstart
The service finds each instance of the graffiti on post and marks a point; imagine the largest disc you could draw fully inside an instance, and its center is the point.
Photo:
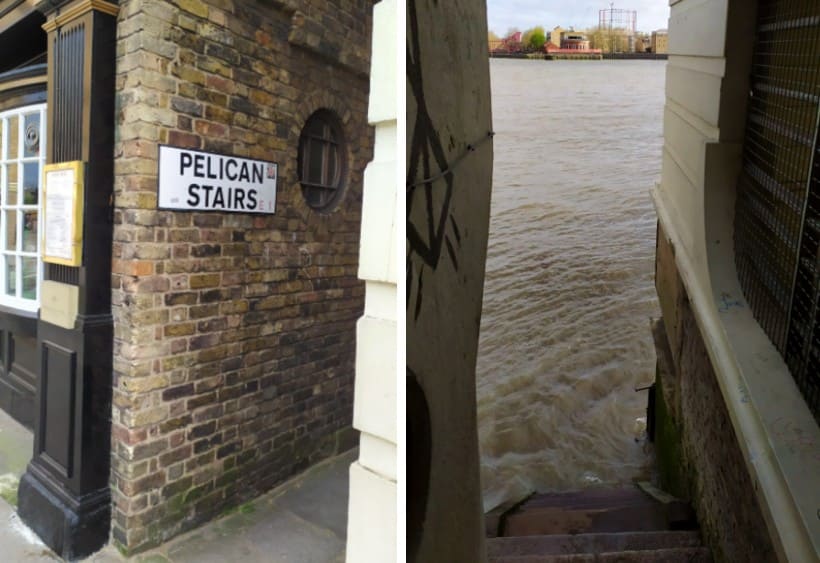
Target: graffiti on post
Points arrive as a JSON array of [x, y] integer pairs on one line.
[[437, 229]]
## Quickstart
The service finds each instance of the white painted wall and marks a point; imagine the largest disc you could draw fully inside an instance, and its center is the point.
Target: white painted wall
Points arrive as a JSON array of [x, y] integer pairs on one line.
[[371, 528], [706, 88]]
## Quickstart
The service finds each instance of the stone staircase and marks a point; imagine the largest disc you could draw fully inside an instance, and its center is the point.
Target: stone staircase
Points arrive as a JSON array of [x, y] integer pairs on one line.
[[638, 524]]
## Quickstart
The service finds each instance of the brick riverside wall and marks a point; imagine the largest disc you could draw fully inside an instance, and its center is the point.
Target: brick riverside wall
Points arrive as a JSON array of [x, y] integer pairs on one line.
[[234, 333]]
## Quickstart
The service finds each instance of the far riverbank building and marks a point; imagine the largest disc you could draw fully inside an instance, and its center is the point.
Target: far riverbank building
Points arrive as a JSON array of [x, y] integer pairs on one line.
[[180, 209]]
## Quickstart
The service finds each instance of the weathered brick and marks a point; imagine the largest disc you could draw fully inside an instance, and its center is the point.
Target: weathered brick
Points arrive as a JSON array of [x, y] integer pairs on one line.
[[201, 312], [201, 400], [193, 7], [183, 139], [200, 281], [186, 106], [173, 456], [151, 481], [135, 419], [181, 298], [144, 384], [205, 250], [147, 449], [202, 430], [181, 329], [174, 423], [207, 443], [228, 449], [176, 487], [178, 392]]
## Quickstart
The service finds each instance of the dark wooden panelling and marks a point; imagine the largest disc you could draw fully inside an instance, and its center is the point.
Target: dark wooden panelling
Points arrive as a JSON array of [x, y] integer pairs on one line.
[[69, 56], [21, 37], [18, 366], [58, 379], [23, 358], [25, 96], [13, 94], [18, 332], [67, 100], [62, 274], [64, 495]]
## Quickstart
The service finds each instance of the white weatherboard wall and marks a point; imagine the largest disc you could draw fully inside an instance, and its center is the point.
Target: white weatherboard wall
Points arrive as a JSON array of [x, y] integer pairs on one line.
[[706, 88], [371, 528]]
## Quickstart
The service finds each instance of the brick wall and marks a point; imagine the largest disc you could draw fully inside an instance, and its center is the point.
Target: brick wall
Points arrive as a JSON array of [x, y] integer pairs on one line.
[[234, 333]]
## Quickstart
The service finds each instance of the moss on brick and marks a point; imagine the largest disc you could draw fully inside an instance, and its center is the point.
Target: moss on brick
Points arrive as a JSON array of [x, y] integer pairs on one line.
[[668, 448], [176, 504], [123, 549]]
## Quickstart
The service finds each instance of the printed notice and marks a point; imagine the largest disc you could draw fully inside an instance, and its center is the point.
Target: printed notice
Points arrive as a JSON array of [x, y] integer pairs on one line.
[[61, 242]]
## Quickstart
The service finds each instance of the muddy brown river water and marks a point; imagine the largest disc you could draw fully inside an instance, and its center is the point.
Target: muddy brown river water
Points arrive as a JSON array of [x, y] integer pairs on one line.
[[568, 297]]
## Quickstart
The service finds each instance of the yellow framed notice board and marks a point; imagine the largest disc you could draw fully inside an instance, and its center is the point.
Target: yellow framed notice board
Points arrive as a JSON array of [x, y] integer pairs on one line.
[[63, 185]]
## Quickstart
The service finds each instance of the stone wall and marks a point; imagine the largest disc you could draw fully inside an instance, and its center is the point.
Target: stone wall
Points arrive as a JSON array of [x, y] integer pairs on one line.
[[234, 333], [699, 457]]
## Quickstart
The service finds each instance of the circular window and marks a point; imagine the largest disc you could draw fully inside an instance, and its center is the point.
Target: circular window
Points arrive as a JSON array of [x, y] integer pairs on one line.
[[321, 160]]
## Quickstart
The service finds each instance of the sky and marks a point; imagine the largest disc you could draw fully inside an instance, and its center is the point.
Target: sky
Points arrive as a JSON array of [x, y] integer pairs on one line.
[[582, 14]]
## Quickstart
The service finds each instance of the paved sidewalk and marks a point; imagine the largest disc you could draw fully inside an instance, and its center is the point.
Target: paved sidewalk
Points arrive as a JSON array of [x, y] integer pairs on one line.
[[302, 521]]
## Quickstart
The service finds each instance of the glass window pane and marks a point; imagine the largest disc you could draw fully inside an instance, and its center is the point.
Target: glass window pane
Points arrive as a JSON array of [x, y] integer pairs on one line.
[[14, 136], [20, 183], [29, 278], [31, 141], [313, 196], [11, 184], [304, 159], [314, 175], [31, 183], [321, 160], [332, 165], [315, 127], [11, 275], [325, 197], [30, 231], [11, 230]]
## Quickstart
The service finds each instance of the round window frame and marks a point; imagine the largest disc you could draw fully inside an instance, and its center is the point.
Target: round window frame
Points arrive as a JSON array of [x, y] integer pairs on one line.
[[330, 119]]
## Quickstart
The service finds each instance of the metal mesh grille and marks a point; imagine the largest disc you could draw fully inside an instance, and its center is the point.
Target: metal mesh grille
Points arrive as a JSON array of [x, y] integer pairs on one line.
[[776, 227]]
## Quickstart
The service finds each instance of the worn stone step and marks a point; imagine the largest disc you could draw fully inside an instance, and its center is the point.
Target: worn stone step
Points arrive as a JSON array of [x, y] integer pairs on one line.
[[673, 555], [494, 519], [596, 510], [591, 543], [590, 498], [547, 520]]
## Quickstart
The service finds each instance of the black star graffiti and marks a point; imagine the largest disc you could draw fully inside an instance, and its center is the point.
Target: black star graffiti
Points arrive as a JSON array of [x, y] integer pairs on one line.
[[427, 240]]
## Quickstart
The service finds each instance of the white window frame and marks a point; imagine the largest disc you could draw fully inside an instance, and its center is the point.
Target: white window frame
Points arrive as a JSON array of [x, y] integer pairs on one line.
[[17, 301]]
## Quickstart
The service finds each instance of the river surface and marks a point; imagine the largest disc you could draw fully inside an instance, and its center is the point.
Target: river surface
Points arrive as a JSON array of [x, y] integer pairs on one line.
[[569, 293]]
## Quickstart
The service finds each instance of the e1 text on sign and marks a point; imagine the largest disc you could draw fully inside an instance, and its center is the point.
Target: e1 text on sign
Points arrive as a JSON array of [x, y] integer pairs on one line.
[[196, 180]]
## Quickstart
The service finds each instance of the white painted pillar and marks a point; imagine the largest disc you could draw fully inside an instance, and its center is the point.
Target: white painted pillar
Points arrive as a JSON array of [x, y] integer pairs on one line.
[[371, 528]]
